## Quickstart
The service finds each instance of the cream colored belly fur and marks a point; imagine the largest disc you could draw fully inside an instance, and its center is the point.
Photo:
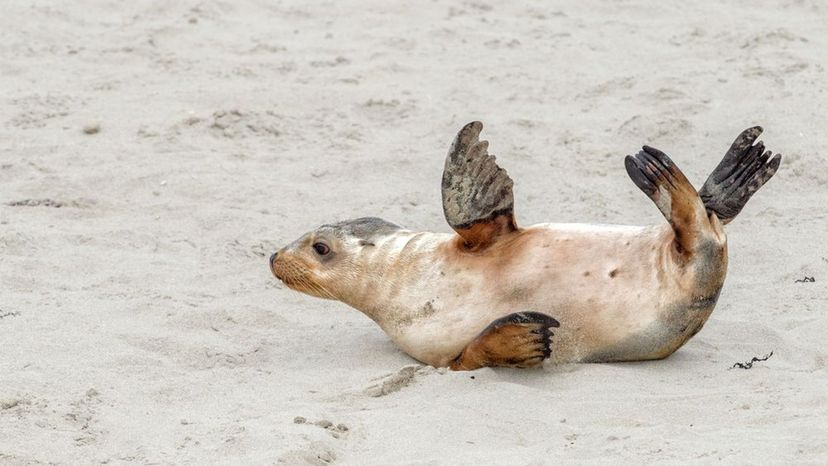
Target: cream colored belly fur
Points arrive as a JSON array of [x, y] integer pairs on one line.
[[618, 292]]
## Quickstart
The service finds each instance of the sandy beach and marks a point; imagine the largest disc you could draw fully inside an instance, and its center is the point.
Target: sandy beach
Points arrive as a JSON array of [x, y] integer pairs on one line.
[[154, 154]]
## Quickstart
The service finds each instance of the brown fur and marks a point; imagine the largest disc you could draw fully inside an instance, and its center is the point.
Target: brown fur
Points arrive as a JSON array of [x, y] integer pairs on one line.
[[483, 234], [510, 346], [518, 340]]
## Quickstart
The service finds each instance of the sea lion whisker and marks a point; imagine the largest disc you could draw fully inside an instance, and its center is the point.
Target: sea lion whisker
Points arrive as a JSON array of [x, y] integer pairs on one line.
[[325, 290], [318, 288], [301, 282]]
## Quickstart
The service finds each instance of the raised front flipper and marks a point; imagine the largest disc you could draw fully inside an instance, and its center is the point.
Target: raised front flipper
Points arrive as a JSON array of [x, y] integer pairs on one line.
[[477, 193], [522, 339]]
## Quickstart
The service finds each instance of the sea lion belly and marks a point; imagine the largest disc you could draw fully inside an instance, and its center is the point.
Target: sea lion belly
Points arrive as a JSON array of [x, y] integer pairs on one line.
[[617, 291]]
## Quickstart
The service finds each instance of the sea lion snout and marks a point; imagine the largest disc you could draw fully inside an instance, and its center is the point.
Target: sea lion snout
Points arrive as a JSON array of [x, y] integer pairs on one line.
[[283, 268], [298, 272], [272, 263]]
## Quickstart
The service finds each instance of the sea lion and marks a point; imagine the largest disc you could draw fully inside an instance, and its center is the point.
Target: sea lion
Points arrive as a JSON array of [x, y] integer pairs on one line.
[[490, 294]]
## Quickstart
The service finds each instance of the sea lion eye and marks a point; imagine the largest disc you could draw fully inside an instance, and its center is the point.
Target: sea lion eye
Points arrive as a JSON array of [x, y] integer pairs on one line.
[[321, 248]]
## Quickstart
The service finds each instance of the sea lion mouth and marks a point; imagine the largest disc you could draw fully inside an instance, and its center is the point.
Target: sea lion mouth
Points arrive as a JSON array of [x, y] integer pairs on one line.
[[274, 269], [298, 278], [307, 286]]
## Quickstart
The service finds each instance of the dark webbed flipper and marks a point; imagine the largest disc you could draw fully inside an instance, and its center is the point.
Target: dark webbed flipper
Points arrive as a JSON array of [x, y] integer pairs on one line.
[[522, 339], [477, 193], [655, 174], [742, 171]]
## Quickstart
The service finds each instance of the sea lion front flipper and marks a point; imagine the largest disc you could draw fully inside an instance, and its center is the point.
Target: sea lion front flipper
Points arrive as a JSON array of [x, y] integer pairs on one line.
[[522, 339], [477, 193]]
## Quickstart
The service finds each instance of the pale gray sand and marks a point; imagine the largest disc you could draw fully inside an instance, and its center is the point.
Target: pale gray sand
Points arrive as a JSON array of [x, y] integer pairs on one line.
[[161, 151]]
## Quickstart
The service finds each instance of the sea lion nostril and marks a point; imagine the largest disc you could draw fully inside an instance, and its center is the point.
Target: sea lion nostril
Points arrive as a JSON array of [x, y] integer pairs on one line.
[[273, 258]]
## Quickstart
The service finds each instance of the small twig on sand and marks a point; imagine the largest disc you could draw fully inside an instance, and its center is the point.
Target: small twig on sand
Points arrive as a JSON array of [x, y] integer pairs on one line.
[[807, 279], [749, 364]]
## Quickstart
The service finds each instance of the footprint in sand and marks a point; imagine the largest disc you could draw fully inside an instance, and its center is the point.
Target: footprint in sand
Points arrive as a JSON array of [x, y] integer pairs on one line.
[[334, 430], [397, 381]]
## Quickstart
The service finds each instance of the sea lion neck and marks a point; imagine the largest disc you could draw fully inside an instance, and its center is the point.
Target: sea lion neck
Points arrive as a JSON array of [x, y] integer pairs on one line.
[[388, 271]]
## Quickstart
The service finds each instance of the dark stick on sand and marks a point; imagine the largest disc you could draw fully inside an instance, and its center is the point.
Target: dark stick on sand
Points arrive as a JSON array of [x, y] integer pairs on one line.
[[749, 364]]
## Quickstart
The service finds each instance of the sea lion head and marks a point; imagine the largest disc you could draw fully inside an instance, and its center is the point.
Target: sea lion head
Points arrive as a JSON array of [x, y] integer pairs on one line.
[[325, 262]]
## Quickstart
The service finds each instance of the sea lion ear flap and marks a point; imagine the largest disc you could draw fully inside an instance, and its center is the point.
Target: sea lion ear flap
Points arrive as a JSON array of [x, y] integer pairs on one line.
[[477, 193]]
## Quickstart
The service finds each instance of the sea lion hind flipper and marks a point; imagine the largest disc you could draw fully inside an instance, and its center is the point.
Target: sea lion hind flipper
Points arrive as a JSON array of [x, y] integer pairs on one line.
[[660, 179], [477, 194], [745, 168], [522, 339]]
